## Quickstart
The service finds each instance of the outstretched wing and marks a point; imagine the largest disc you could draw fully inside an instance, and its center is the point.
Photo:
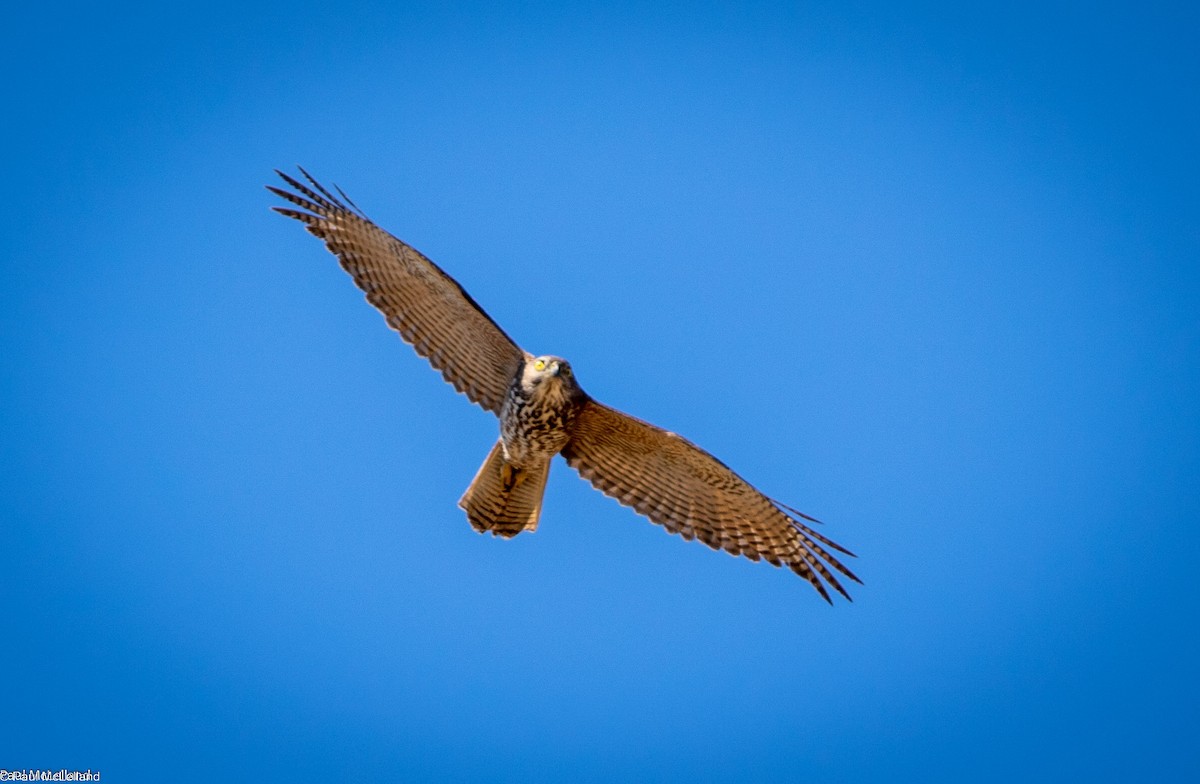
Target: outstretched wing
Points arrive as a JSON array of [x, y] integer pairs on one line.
[[420, 301], [689, 492]]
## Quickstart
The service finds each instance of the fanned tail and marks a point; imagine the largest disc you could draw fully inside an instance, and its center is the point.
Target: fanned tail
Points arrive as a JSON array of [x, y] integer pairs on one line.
[[504, 499]]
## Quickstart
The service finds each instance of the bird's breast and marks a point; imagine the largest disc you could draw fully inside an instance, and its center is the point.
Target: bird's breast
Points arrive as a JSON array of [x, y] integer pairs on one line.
[[534, 428]]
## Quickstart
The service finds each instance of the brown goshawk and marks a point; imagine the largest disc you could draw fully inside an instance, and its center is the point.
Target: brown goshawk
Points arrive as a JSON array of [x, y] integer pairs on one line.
[[543, 412]]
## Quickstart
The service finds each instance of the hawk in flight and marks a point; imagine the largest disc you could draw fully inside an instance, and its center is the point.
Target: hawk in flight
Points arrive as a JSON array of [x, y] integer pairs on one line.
[[543, 412]]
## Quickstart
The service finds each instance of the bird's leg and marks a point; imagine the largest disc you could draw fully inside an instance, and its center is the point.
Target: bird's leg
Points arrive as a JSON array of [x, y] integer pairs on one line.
[[510, 476]]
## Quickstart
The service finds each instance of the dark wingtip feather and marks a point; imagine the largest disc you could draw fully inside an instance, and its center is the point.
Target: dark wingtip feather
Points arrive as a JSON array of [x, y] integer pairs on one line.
[[350, 201], [797, 512], [325, 192], [281, 193], [320, 196]]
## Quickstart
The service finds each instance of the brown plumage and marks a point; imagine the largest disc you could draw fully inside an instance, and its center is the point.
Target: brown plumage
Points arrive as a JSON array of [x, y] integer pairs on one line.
[[543, 411], [503, 499]]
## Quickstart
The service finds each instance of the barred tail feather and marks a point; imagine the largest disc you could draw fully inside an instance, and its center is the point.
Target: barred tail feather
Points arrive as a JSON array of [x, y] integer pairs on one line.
[[504, 499]]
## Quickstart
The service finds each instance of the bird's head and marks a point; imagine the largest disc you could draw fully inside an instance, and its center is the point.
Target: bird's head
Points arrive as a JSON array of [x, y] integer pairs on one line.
[[545, 374]]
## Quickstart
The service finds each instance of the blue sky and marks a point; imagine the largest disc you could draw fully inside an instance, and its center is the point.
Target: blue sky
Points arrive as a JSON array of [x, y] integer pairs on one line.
[[928, 273]]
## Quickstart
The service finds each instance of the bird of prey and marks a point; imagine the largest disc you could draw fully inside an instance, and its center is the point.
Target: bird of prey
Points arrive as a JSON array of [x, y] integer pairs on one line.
[[543, 411]]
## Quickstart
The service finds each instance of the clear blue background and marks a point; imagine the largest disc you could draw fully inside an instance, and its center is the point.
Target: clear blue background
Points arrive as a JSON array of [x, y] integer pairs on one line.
[[928, 273]]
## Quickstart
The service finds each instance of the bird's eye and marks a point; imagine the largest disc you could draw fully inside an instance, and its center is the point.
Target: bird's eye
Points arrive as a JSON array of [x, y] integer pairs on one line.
[[539, 365]]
